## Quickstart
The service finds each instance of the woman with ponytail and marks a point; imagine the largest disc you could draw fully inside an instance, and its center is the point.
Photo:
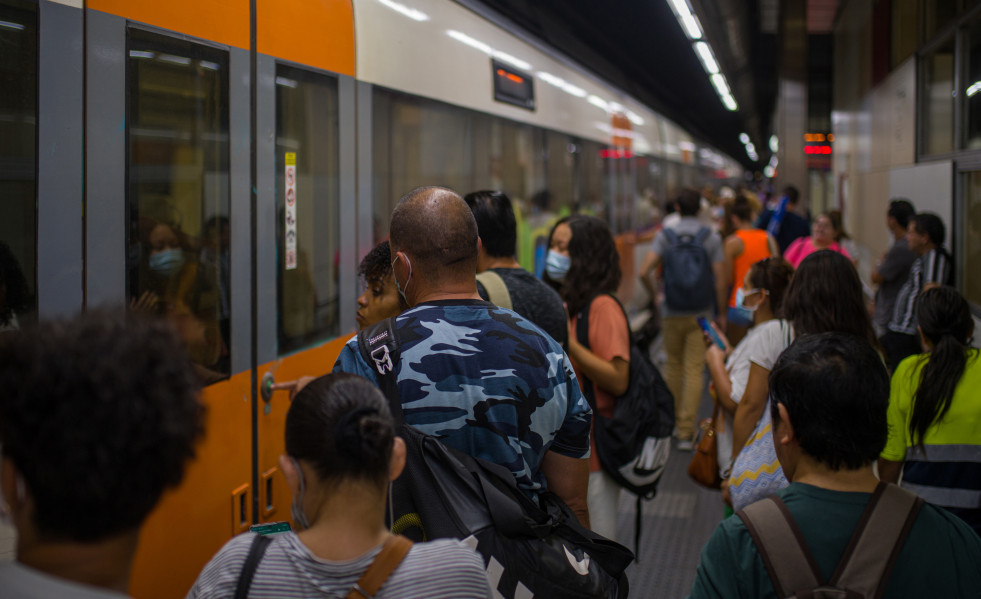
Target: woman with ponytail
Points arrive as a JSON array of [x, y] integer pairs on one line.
[[341, 454], [935, 411]]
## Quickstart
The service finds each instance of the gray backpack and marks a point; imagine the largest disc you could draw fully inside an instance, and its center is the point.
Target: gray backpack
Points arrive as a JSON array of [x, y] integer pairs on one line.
[[864, 569]]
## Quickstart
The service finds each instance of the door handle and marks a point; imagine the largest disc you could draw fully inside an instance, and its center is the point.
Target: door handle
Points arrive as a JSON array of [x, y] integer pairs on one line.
[[267, 386]]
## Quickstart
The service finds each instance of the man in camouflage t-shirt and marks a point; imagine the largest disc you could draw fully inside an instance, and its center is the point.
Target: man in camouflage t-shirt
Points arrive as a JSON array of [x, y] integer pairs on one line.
[[481, 378]]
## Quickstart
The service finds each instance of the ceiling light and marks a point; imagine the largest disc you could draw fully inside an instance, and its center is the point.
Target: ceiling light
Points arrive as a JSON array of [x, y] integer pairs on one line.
[[598, 102], [743, 138], [687, 20], [730, 102], [704, 52], [975, 88], [719, 81], [774, 144], [412, 13]]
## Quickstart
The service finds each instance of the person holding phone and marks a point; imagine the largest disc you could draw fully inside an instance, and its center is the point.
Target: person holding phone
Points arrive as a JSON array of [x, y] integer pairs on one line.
[[761, 295]]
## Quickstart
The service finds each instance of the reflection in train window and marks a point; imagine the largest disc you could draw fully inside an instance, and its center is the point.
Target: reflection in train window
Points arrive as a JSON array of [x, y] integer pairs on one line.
[[307, 208], [178, 191], [18, 167], [937, 106], [971, 230]]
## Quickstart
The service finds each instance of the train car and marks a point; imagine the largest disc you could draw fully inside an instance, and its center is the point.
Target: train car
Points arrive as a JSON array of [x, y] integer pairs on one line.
[[227, 163]]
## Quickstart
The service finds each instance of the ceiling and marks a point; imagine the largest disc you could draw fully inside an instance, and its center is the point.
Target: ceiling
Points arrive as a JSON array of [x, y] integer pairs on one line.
[[638, 46]]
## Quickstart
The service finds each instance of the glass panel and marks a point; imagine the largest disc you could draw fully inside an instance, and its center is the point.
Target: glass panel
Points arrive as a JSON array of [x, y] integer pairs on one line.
[[592, 191], [307, 208], [970, 266], [936, 15], [18, 166], [972, 86], [417, 142], [938, 101], [903, 30], [178, 199]]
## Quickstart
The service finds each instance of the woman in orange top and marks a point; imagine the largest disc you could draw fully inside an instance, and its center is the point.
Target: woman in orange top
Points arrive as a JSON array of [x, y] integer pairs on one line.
[[744, 248]]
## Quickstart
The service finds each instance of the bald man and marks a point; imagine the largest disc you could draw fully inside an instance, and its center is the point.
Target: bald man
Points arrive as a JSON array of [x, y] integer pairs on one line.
[[483, 379]]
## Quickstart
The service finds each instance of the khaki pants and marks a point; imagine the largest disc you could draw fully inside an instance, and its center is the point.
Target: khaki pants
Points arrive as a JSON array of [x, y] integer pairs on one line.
[[685, 349]]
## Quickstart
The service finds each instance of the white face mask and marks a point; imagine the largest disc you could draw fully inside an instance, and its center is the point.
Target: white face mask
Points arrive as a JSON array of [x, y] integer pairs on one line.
[[397, 285]]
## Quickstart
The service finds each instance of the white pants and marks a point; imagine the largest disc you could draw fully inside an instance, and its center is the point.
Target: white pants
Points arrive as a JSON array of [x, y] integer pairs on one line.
[[603, 499]]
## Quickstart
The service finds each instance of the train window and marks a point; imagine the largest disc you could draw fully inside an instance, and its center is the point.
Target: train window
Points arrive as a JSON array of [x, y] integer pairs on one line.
[[904, 22], [937, 14], [592, 190], [972, 85], [937, 127], [178, 191], [18, 166], [307, 207], [970, 265], [559, 168]]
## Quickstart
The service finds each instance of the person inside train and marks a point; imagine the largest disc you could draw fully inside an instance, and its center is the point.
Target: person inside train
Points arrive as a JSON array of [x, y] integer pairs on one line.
[[761, 296], [173, 282], [893, 268], [824, 235], [500, 279], [786, 223], [584, 267], [829, 399], [99, 415], [745, 246], [341, 456], [450, 339], [925, 236], [935, 410], [825, 295], [380, 299]]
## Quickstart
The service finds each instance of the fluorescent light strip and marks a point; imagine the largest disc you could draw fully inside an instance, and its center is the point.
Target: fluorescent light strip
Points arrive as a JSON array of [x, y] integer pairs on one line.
[[719, 81], [635, 118], [415, 15], [181, 60], [598, 102], [562, 84], [730, 102], [290, 83], [709, 63], [466, 39], [141, 54], [743, 138], [687, 20], [9, 25], [211, 66], [504, 56], [975, 88]]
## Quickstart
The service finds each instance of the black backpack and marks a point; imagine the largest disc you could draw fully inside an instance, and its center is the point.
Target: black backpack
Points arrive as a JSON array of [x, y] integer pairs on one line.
[[528, 550], [633, 447], [689, 283], [864, 569]]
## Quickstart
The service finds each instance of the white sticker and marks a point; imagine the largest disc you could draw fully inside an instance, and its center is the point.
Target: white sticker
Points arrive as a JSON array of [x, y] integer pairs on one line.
[[290, 220]]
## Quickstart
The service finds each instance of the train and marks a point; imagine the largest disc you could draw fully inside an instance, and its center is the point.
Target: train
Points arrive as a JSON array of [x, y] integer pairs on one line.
[[227, 163]]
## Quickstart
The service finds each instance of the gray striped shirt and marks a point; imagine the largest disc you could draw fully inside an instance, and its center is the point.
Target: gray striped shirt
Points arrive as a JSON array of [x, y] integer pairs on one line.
[[443, 568], [931, 267]]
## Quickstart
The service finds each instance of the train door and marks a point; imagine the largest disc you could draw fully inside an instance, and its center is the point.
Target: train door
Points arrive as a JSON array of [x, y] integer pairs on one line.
[[218, 194]]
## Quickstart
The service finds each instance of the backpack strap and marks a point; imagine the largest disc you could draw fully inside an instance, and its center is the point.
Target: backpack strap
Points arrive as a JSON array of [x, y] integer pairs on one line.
[[879, 537], [671, 235], [379, 347], [388, 559], [781, 546], [702, 235], [497, 290], [258, 548]]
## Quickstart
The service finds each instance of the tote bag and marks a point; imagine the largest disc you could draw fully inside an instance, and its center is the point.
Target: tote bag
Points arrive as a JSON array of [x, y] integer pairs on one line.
[[756, 473]]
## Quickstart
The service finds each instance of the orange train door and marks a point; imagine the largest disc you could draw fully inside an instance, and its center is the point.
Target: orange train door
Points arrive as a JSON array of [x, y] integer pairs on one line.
[[196, 144]]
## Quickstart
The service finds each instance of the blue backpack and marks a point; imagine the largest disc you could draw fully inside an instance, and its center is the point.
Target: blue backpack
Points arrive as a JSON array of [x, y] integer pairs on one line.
[[689, 284]]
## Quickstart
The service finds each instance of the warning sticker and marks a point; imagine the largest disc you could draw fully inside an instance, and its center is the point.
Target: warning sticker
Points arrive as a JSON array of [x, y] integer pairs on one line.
[[290, 221]]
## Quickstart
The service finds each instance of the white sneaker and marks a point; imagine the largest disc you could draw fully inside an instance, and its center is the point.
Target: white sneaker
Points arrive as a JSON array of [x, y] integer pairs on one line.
[[685, 445]]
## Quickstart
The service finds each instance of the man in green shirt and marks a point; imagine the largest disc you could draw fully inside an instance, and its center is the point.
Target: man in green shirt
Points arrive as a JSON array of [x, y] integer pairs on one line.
[[829, 395]]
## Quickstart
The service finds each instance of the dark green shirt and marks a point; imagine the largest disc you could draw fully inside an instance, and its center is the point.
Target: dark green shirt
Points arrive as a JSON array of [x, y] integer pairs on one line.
[[941, 556]]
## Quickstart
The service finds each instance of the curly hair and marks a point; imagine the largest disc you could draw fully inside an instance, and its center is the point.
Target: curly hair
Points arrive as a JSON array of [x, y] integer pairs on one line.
[[99, 414], [595, 262], [376, 264]]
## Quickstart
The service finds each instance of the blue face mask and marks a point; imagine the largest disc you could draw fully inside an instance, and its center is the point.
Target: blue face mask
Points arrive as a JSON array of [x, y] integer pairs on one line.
[[167, 261], [557, 266], [741, 301]]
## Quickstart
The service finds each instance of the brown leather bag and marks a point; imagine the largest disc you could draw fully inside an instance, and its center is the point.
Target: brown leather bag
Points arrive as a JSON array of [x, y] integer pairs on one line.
[[704, 465]]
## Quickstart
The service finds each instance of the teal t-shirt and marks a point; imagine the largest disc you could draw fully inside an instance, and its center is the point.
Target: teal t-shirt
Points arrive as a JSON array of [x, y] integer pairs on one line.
[[941, 556]]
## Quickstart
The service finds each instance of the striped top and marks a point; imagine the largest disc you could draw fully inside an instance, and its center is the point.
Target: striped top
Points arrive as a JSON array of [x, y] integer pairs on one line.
[[444, 568], [948, 474], [931, 267]]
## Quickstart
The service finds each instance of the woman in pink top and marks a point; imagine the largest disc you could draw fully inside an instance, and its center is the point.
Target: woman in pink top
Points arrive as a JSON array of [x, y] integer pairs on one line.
[[823, 235]]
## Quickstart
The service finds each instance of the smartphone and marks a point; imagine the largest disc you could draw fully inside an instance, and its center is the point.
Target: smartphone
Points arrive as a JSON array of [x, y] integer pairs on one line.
[[271, 528], [710, 330]]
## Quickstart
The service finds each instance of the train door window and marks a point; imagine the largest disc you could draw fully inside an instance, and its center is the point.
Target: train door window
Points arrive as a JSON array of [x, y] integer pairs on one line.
[[937, 14], [970, 232], [307, 207], [18, 165], [591, 196], [559, 168], [938, 100], [178, 191], [972, 86], [516, 158]]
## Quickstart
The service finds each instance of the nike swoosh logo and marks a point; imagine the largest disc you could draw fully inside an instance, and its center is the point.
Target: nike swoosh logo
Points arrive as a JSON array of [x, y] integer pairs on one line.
[[580, 566]]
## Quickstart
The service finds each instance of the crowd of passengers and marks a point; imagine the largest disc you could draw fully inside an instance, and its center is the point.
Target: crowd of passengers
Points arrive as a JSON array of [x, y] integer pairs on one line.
[[824, 402]]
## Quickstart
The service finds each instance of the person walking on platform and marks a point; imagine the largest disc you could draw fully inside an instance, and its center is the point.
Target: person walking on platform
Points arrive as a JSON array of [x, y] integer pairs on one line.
[[784, 223], [935, 411], [893, 270], [745, 247], [584, 266], [694, 285], [99, 415], [925, 236], [341, 454], [500, 279], [829, 398], [530, 416]]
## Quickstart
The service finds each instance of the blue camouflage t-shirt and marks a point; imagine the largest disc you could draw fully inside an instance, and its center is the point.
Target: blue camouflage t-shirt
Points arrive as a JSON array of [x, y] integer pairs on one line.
[[487, 382]]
